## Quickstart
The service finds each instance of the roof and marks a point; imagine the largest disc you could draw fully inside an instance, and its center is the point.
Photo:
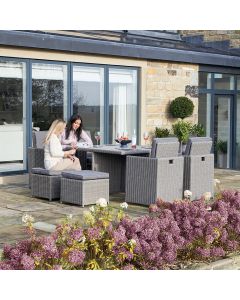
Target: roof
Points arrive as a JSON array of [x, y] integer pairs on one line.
[[139, 44]]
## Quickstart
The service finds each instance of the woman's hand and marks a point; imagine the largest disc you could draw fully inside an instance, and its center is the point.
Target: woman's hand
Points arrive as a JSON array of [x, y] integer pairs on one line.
[[74, 145]]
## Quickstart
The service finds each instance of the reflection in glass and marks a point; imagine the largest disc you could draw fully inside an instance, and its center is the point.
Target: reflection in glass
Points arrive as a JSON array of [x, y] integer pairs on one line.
[[88, 97], [49, 94], [238, 134], [222, 131], [204, 80], [204, 112], [12, 116], [223, 82], [122, 102]]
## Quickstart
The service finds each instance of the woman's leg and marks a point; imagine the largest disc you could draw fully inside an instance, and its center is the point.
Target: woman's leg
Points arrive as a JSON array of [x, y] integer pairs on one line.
[[67, 164]]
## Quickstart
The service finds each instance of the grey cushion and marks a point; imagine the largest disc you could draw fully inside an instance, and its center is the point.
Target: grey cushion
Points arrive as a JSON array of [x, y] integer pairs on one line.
[[85, 175], [46, 172], [198, 146], [165, 147], [38, 138]]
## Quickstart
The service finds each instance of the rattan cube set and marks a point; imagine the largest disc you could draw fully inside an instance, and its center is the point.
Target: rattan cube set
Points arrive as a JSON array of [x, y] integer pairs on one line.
[[163, 174]]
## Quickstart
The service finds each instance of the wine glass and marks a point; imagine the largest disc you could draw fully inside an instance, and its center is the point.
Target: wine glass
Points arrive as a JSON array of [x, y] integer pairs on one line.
[[97, 136], [145, 137]]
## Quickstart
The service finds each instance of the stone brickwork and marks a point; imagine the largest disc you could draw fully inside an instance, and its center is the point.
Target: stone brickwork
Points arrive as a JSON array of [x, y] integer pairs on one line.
[[164, 82], [233, 36]]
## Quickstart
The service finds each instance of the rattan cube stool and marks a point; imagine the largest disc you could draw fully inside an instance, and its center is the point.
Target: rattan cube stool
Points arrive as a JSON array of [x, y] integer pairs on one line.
[[84, 187], [45, 183]]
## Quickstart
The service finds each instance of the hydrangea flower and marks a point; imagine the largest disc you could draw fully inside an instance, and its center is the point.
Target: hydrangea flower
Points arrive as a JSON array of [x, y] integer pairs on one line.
[[124, 205], [102, 202], [26, 218], [187, 194]]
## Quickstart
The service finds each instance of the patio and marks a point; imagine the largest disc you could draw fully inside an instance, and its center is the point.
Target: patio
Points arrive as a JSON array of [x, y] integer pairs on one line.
[[15, 200]]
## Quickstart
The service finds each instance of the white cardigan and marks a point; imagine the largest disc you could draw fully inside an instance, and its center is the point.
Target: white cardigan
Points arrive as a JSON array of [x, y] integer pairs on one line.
[[53, 152]]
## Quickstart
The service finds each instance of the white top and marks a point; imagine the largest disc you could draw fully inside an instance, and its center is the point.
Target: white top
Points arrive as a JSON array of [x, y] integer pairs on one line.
[[85, 140], [53, 152]]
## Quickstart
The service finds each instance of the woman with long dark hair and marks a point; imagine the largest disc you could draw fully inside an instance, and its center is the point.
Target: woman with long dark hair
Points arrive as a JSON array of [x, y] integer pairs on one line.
[[74, 134]]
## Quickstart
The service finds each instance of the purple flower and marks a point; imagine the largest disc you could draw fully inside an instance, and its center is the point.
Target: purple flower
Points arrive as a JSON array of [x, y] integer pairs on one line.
[[76, 257], [77, 234], [6, 265], [128, 267], [202, 252], [217, 252], [94, 233], [27, 262]]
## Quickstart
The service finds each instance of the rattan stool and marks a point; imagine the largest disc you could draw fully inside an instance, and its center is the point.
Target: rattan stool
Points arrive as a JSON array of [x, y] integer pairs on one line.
[[84, 187]]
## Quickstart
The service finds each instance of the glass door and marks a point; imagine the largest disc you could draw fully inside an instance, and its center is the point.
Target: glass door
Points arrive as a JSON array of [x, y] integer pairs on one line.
[[12, 116], [223, 124]]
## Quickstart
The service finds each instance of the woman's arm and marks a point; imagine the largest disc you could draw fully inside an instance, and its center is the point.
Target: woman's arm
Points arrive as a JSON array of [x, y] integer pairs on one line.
[[72, 139], [55, 147], [86, 138]]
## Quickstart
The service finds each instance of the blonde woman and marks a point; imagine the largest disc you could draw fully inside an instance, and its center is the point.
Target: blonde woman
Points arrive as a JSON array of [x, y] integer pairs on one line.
[[54, 157]]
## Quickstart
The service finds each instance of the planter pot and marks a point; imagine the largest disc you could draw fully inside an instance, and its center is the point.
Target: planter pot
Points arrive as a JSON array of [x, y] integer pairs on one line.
[[222, 160]]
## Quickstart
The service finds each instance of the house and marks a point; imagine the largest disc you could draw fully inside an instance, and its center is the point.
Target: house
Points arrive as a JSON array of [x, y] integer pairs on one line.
[[118, 81]]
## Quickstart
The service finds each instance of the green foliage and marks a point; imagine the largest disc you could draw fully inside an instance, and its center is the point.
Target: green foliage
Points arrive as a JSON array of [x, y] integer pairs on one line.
[[181, 107], [198, 130], [221, 146], [182, 130], [161, 132]]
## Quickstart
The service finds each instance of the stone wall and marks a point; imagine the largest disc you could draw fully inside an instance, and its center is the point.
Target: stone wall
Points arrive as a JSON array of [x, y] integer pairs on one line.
[[233, 36], [164, 82]]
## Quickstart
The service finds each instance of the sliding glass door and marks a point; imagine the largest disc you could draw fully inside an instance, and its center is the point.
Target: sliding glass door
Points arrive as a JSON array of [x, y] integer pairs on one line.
[[122, 102], [12, 115], [49, 94]]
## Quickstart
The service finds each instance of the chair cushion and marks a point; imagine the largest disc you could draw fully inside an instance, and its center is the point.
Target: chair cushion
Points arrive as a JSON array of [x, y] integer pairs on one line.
[[85, 175], [46, 172], [38, 138], [198, 146], [164, 147]]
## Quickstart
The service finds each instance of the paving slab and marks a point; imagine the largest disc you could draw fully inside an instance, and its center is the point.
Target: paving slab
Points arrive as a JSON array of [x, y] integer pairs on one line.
[[43, 226], [29, 206]]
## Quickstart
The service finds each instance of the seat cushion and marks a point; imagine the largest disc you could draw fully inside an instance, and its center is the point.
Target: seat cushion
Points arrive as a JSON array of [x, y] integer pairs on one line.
[[164, 147], [45, 172], [85, 175]]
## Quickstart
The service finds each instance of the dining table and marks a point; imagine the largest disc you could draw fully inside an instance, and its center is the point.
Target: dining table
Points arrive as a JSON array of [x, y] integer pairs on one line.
[[112, 159]]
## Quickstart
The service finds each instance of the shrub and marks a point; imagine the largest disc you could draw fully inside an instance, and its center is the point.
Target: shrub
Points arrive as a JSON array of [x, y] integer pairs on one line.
[[181, 107], [182, 130], [198, 130], [221, 146], [161, 132], [173, 231]]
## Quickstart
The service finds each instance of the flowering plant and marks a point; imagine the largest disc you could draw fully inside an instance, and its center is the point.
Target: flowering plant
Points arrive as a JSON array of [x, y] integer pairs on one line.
[[71, 246], [176, 231]]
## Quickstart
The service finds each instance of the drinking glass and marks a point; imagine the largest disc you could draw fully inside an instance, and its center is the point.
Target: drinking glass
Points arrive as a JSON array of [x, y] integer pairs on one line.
[[97, 136], [145, 137]]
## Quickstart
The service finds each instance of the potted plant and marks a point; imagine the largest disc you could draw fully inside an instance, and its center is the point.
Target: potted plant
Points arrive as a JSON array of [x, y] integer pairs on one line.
[[161, 132], [221, 150], [182, 130]]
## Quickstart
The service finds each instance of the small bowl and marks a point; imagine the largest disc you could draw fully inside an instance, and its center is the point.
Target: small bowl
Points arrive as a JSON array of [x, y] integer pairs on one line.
[[123, 142]]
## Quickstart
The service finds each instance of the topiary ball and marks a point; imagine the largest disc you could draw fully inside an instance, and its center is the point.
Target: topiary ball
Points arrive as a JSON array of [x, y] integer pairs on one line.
[[181, 107]]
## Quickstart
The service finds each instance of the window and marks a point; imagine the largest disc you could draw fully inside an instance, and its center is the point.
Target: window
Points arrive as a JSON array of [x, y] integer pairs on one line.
[[223, 82], [88, 97], [122, 102], [49, 94]]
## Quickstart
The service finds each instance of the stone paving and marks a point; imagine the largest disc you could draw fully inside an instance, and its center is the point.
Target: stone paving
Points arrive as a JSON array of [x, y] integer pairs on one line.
[[15, 200]]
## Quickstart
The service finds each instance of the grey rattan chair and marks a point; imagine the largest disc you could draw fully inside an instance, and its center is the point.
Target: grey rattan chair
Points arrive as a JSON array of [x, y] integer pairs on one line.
[[36, 152], [149, 178], [199, 167], [84, 187], [45, 183]]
